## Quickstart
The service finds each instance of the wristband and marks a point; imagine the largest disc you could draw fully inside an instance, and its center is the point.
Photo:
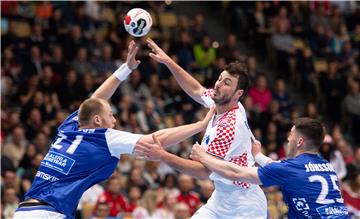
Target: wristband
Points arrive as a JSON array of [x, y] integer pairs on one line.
[[122, 72], [261, 159]]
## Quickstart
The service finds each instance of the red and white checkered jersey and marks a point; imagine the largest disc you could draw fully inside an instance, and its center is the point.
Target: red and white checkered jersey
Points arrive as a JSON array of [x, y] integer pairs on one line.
[[228, 137]]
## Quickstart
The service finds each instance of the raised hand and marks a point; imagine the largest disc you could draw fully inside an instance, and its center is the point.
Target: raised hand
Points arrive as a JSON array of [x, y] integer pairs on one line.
[[197, 152], [131, 61], [157, 53]]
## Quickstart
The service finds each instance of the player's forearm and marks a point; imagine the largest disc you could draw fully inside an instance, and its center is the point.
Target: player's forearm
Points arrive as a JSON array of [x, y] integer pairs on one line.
[[189, 167], [188, 83], [172, 136], [107, 88], [230, 170], [110, 85]]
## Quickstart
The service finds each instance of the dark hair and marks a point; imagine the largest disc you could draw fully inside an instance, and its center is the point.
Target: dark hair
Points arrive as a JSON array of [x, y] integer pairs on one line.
[[239, 70], [89, 108], [312, 129]]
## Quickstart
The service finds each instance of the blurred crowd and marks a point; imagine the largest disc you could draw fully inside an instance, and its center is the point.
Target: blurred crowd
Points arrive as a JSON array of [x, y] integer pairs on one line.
[[55, 54]]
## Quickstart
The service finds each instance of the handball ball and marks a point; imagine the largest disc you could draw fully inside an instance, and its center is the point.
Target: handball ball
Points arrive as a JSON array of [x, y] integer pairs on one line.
[[137, 22]]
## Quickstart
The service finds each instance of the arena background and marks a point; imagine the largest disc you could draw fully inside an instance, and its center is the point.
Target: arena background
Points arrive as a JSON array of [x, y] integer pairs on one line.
[[303, 60]]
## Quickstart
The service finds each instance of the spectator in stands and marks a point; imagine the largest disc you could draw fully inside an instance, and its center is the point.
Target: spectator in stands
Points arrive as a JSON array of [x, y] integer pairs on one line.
[[28, 174], [15, 145], [297, 20], [281, 95], [260, 94], [187, 196], [333, 86], [112, 195], [253, 68], [134, 196], [183, 50], [81, 64], [167, 208], [73, 42], [105, 65], [259, 25], [148, 118], [337, 42], [136, 88], [181, 211], [330, 153], [306, 68], [9, 180], [230, 50], [29, 155], [147, 205], [350, 190], [352, 108], [9, 202], [197, 29], [102, 211], [204, 53], [283, 43], [319, 41]]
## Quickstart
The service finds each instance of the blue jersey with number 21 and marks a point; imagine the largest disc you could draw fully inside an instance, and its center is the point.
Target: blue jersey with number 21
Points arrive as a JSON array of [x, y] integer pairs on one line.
[[78, 159], [309, 185]]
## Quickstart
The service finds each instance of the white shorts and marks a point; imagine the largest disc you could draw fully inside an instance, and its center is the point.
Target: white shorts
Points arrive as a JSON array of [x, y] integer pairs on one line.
[[38, 212], [240, 204]]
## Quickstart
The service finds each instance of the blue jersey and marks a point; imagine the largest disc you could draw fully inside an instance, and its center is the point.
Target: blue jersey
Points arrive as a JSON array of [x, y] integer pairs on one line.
[[78, 159], [309, 185]]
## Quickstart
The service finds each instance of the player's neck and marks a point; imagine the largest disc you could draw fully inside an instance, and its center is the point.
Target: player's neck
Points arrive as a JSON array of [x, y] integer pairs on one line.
[[220, 109], [305, 152]]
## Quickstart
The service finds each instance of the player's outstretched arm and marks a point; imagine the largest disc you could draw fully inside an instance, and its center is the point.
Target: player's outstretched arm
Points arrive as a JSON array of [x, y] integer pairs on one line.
[[109, 86], [259, 157], [156, 152], [173, 136], [189, 84], [224, 168]]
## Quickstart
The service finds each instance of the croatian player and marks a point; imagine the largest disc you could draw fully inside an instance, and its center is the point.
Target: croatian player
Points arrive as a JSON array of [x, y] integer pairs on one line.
[[308, 182], [87, 149], [227, 137]]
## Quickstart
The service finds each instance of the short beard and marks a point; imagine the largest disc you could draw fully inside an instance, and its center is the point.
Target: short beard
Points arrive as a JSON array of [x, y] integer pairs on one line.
[[222, 102], [225, 100]]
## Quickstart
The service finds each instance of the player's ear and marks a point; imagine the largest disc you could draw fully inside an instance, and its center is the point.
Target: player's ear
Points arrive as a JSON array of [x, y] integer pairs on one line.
[[239, 93], [300, 142], [97, 120]]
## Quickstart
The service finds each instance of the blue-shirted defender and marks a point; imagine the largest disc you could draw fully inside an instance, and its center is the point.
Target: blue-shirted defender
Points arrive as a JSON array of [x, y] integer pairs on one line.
[[87, 149], [308, 182]]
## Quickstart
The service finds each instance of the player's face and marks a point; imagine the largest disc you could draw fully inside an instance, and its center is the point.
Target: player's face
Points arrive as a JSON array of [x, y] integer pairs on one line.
[[293, 140], [225, 89], [107, 118]]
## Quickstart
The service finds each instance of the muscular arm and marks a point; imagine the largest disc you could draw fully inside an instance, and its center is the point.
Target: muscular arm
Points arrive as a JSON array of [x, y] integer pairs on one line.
[[224, 168], [172, 136], [154, 151], [107, 88], [191, 86], [186, 166]]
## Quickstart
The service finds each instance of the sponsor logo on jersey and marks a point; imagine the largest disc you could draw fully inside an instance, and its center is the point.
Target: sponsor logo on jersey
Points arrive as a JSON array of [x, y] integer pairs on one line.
[[46, 176], [332, 211], [58, 162]]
